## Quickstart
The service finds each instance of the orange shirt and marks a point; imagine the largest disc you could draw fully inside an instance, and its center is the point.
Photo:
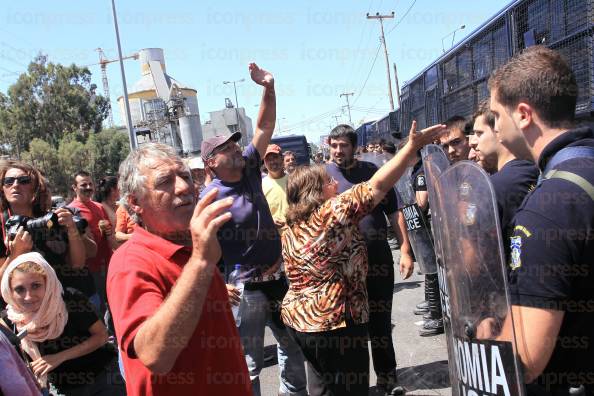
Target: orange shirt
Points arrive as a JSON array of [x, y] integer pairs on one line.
[[124, 222]]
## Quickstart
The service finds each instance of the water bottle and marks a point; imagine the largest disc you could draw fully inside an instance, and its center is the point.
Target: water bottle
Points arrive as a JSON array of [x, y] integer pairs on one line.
[[235, 279]]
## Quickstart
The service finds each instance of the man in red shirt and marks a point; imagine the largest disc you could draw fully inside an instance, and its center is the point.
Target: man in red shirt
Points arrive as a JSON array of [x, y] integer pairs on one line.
[[101, 230], [169, 302]]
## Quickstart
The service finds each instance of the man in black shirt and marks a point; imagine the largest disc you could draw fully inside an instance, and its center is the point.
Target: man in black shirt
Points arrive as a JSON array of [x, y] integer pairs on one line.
[[533, 98], [347, 171]]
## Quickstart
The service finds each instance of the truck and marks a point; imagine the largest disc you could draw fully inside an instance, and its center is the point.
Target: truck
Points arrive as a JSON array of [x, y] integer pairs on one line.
[[297, 144]]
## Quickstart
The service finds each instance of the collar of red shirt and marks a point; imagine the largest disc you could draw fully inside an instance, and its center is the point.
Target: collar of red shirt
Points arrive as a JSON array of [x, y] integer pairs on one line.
[[156, 243]]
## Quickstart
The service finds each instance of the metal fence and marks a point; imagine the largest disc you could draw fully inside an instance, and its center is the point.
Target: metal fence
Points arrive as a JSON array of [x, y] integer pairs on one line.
[[456, 82]]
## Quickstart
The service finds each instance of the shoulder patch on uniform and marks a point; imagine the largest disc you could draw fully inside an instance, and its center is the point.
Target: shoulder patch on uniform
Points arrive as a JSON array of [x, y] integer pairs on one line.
[[523, 230], [421, 180], [516, 251]]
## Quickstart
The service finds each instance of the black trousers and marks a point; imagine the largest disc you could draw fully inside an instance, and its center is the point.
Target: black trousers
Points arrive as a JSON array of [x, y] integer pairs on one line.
[[337, 360], [380, 290]]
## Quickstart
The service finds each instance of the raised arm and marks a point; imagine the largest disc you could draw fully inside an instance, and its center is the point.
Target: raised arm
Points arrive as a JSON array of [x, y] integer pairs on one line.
[[385, 178], [162, 337], [267, 114]]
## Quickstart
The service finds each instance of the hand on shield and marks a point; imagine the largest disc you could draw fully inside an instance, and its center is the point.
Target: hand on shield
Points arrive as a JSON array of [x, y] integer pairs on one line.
[[419, 139]]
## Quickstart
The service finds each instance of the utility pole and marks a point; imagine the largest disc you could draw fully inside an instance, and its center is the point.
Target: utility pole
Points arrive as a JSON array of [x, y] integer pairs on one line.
[[239, 129], [336, 118], [131, 131], [397, 86], [346, 95], [383, 41]]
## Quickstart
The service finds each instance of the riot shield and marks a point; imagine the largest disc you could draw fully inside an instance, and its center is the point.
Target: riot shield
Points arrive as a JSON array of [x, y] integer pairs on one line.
[[417, 226], [375, 158], [476, 301]]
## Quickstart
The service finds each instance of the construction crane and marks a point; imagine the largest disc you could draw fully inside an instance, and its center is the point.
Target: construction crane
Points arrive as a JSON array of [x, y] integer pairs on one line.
[[103, 62]]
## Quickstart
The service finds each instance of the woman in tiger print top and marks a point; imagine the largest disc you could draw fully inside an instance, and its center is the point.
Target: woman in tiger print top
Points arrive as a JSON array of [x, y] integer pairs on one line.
[[326, 264]]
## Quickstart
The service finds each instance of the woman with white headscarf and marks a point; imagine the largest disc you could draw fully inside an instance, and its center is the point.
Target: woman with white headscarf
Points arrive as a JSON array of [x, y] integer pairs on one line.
[[65, 340]]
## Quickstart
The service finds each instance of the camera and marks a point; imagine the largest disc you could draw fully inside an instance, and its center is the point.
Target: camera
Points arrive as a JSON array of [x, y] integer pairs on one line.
[[35, 227], [40, 227]]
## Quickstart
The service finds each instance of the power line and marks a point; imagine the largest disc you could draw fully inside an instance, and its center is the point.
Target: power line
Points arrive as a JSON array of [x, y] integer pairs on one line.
[[361, 60], [403, 16], [360, 91]]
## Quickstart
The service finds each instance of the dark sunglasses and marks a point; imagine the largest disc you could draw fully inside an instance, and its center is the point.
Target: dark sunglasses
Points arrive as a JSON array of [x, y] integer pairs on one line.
[[9, 181]]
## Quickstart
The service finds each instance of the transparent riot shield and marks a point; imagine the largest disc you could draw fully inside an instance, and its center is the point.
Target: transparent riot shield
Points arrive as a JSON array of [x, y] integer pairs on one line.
[[375, 158], [476, 301], [417, 226]]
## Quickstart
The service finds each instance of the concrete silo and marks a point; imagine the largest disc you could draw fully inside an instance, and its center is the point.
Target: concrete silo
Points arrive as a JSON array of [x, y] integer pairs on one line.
[[152, 116]]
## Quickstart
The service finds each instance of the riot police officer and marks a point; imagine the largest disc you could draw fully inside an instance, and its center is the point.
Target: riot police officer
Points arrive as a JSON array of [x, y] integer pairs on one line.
[[533, 98]]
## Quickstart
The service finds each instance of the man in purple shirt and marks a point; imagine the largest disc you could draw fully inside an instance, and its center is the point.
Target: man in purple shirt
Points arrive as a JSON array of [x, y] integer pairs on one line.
[[251, 240]]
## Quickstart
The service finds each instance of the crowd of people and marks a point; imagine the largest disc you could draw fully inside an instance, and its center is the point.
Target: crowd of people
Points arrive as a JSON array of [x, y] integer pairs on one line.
[[129, 287]]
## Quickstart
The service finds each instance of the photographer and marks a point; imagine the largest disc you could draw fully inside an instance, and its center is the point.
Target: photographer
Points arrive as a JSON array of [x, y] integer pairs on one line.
[[24, 193]]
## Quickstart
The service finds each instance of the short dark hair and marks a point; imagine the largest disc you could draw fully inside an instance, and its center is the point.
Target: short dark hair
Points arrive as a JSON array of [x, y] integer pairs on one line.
[[459, 122], [484, 110], [80, 173], [540, 77], [344, 130]]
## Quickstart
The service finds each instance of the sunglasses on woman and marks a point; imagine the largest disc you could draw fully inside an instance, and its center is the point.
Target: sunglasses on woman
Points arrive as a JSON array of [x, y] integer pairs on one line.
[[9, 181]]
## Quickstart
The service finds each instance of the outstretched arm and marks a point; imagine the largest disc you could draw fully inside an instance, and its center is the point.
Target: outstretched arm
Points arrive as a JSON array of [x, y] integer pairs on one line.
[[386, 176], [267, 114]]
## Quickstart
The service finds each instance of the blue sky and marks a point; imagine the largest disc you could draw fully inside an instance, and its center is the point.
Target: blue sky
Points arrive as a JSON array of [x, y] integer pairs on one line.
[[316, 50]]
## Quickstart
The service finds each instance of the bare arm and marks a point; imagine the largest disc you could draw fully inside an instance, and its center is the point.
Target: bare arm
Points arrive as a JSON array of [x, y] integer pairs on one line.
[[386, 176], [267, 113], [90, 244], [76, 246], [407, 264], [47, 363], [122, 236], [422, 199], [536, 332], [162, 337]]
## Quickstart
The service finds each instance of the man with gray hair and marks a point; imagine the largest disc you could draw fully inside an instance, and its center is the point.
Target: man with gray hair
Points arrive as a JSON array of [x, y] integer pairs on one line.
[[169, 303]]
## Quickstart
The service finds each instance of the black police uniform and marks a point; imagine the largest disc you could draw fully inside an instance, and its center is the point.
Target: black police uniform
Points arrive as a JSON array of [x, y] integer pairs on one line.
[[511, 184], [552, 263], [432, 296]]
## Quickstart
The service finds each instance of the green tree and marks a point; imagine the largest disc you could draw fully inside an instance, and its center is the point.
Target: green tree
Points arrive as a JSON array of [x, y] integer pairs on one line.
[[107, 150], [47, 102]]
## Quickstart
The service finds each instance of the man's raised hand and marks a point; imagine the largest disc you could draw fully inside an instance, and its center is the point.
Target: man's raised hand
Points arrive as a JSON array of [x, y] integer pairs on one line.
[[261, 76], [209, 215]]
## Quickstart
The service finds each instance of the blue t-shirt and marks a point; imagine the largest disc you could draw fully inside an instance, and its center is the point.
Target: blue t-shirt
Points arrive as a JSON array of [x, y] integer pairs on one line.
[[250, 238], [373, 226]]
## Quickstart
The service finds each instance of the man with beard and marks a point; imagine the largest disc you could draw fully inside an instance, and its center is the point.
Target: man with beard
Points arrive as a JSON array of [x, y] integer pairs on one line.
[[455, 141], [347, 171], [251, 240], [290, 161], [533, 99], [101, 230]]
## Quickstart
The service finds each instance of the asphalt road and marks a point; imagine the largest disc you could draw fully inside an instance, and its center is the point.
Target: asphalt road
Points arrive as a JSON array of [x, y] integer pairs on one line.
[[422, 361]]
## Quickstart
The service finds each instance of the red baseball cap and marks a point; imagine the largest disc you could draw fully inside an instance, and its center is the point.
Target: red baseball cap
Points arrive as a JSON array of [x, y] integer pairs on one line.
[[272, 149]]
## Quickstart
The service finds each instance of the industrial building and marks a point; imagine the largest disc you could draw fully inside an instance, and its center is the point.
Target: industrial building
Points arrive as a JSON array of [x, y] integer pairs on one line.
[[162, 108]]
